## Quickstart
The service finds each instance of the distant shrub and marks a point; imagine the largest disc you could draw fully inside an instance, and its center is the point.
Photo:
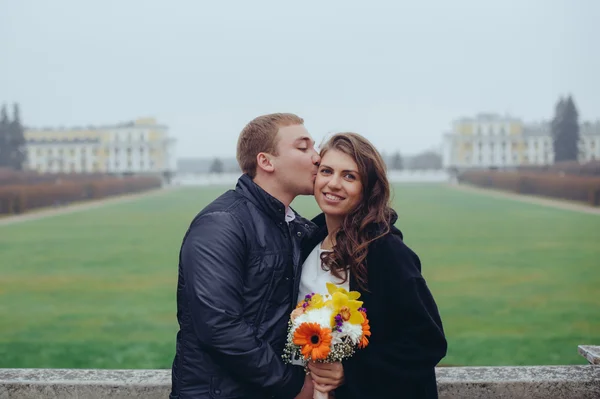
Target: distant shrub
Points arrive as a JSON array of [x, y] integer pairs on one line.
[[571, 187], [19, 198]]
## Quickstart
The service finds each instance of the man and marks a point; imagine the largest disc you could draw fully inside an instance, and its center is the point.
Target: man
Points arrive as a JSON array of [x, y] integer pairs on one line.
[[238, 267]]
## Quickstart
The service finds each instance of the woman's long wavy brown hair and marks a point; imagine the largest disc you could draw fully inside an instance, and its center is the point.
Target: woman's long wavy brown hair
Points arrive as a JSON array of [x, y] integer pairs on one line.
[[371, 217]]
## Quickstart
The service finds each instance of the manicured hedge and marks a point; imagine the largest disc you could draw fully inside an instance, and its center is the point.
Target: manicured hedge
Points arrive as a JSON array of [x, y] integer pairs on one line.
[[571, 187], [590, 168], [12, 177], [19, 198]]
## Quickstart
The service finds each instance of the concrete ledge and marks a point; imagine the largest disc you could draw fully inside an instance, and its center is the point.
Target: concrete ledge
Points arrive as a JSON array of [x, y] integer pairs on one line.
[[591, 353], [84, 383], [548, 382], [533, 382]]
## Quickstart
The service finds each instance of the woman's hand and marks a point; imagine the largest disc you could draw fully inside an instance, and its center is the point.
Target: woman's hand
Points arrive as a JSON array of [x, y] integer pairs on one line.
[[326, 376], [307, 389]]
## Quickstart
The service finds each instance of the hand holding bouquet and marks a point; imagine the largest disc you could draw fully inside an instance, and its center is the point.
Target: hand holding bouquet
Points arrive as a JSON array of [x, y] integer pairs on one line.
[[327, 328]]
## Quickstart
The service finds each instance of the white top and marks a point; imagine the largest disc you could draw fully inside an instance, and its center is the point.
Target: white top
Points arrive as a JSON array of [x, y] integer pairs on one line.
[[314, 278], [289, 215]]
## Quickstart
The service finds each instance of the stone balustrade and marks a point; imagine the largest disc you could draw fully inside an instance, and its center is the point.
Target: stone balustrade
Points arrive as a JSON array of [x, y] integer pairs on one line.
[[532, 382]]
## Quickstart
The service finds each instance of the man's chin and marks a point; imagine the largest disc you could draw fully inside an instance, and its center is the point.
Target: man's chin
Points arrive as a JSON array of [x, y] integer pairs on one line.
[[310, 192]]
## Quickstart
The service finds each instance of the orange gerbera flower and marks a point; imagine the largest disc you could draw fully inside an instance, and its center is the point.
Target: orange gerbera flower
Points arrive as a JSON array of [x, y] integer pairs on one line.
[[366, 328], [314, 340]]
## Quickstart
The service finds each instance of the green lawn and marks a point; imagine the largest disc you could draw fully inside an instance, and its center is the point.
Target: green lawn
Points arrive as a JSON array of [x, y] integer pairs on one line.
[[516, 283]]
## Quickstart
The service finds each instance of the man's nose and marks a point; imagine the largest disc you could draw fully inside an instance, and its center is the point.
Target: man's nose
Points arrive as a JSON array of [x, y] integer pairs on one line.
[[316, 159]]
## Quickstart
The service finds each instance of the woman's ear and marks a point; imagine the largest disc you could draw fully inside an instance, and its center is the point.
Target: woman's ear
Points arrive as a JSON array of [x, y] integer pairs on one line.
[[263, 161]]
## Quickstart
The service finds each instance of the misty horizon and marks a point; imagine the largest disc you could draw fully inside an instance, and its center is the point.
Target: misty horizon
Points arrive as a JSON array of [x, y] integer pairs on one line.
[[397, 72]]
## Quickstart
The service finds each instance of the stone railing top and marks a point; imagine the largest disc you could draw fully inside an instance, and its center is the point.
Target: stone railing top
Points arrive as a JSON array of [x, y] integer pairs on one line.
[[86, 376], [591, 353], [516, 374]]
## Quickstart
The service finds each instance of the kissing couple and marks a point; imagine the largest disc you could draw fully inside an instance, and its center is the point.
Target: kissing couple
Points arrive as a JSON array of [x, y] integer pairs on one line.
[[251, 268]]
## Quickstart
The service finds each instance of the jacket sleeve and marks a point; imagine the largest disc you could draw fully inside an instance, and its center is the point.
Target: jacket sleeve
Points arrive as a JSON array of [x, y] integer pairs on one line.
[[213, 258], [413, 341]]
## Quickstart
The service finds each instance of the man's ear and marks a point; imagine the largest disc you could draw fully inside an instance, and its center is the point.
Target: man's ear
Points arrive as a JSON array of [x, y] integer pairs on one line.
[[263, 161]]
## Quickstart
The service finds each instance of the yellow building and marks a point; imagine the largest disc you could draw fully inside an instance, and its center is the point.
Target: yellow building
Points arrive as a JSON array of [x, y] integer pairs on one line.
[[491, 140], [139, 147]]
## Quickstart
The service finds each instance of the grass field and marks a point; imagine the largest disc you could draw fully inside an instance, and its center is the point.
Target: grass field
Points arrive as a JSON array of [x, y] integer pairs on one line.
[[516, 283]]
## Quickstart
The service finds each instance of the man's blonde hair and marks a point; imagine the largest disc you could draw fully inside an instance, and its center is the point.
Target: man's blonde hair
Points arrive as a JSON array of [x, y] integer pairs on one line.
[[260, 135]]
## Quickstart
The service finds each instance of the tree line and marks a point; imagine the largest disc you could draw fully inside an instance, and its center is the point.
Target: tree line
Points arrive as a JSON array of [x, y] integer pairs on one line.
[[12, 140]]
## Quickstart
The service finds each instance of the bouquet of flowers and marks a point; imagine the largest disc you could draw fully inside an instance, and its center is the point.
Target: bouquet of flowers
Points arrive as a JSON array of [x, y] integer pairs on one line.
[[327, 328]]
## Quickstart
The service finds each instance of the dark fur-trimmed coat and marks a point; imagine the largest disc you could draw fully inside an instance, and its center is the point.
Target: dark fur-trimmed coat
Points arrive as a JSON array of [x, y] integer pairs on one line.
[[407, 340]]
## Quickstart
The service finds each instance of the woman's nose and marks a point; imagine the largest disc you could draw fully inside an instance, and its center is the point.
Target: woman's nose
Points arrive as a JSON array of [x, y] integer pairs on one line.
[[334, 182]]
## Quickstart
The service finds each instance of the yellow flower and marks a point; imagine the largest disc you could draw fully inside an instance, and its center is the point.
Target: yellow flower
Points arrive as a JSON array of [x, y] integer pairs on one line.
[[332, 288], [347, 308], [315, 302]]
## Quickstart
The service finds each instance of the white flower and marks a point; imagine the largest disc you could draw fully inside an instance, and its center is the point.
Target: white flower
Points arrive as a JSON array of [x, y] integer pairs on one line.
[[320, 316], [352, 331], [336, 337]]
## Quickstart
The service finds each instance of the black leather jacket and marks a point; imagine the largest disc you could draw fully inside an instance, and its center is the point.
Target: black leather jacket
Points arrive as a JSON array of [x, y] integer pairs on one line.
[[238, 266]]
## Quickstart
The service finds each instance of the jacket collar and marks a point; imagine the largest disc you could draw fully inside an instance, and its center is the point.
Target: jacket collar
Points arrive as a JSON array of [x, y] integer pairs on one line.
[[319, 221], [321, 232], [262, 199]]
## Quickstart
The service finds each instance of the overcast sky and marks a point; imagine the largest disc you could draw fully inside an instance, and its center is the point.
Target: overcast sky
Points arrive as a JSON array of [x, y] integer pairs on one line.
[[396, 71]]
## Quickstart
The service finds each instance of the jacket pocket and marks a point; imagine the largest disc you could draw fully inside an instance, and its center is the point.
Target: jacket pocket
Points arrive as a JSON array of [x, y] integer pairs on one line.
[[225, 387]]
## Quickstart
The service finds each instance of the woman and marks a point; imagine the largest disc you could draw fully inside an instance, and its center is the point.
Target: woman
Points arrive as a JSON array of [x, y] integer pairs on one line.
[[357, 247]]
